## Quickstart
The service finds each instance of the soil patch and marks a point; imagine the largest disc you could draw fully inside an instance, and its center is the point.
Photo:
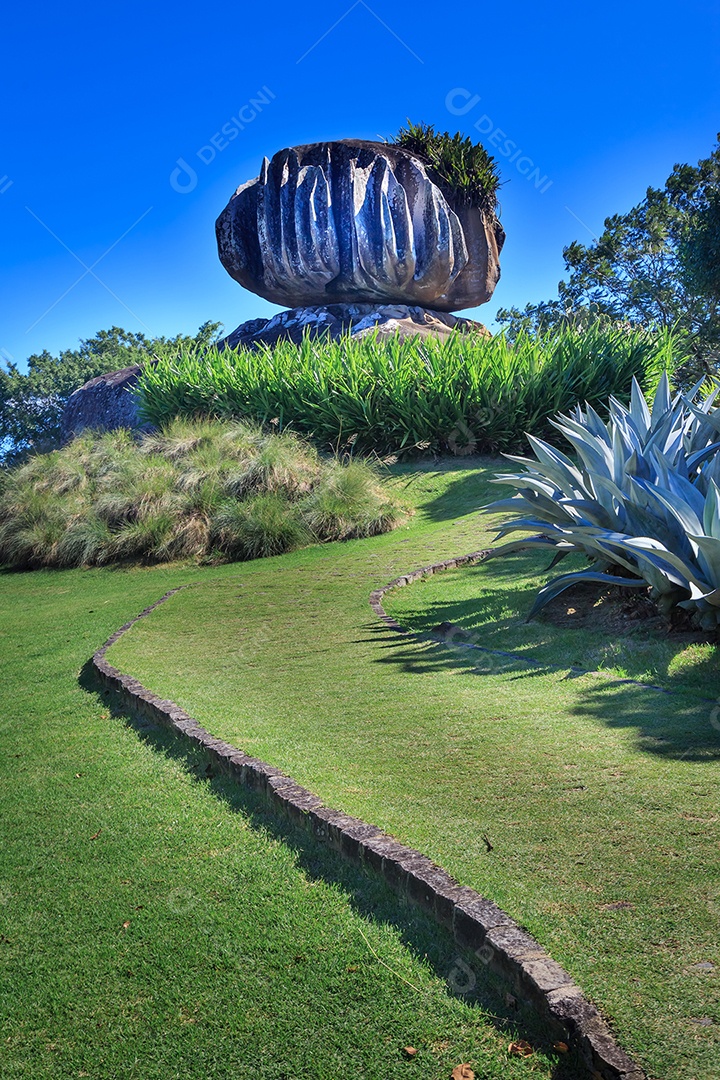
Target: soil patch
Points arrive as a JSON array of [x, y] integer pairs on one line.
[[619, 612]]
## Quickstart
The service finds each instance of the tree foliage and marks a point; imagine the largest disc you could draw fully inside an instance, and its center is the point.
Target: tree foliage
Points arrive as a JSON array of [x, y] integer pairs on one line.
[[699, 251], [32, 402], [658, 265]]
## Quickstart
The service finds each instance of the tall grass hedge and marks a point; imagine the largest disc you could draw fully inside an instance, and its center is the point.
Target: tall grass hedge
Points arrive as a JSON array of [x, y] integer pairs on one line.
[[462, 394]]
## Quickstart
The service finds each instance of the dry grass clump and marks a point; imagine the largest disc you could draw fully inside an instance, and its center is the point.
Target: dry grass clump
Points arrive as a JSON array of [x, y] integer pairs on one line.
[[197, 489]]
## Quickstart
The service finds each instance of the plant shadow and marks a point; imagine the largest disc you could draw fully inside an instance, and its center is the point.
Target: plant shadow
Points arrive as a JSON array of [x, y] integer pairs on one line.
[[610, 635], [667, 722], [366, 893], [463, 496]]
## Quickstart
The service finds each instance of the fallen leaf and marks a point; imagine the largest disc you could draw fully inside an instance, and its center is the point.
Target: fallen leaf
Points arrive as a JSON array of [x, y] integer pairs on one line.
[[352, 967], [126, 924], [78, 775], [561, 1047], [410, 1051], [462, 1072], [520, 1048], [95, 836]]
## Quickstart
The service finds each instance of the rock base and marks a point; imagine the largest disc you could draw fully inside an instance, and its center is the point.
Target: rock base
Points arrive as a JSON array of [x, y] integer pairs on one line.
[[358, 320]]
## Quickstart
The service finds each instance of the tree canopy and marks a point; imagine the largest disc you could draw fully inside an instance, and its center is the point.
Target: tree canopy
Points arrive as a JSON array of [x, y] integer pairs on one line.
[[658, 265]]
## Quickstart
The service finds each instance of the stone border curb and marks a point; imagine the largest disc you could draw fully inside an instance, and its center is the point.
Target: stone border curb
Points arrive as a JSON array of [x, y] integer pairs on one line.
[[377, 595], [564, 1004], [476, 923]]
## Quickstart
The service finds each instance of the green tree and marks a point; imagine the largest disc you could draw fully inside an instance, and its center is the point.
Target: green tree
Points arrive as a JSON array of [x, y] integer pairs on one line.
[[547, 316], [655, 266], [700, 249], [32, 402]]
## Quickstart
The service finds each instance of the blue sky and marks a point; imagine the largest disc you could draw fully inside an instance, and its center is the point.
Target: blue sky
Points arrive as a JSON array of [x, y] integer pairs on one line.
[[101, 103]]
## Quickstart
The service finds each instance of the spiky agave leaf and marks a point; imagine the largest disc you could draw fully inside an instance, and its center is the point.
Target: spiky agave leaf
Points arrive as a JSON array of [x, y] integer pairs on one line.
[[650, 479]]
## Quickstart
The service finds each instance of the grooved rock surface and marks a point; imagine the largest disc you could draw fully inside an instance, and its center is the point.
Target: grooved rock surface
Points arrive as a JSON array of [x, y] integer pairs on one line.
[[355, 221], [104, 403], [358, 320]]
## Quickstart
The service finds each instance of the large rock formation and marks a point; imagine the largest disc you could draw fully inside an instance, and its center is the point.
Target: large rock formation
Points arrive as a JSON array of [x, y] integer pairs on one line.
[[356, 320], [357, 222], [355, 237]]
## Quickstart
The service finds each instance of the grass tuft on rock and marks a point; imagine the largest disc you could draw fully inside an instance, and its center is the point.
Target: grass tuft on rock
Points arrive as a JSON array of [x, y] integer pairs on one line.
[[464, 171], [196, 489]]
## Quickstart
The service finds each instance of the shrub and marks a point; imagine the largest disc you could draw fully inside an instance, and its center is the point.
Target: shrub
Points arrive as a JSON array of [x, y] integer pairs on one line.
[[641, 496], [192, 489], [347, 503], [466, 393]]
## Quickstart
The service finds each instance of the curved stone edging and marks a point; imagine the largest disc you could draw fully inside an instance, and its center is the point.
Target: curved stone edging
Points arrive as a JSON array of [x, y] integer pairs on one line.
[[476, 923], [376, 595]]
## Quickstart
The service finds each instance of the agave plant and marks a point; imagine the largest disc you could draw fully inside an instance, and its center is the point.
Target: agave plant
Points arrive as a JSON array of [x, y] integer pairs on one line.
[[641, 497]]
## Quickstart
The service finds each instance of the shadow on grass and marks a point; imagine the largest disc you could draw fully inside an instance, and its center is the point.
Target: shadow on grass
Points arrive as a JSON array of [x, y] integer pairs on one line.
[[464, 495], [648, 655], [463, 974], [667, 723]]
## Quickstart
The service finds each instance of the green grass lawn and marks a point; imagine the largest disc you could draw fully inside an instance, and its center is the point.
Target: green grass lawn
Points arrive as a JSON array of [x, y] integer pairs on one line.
[[155, 923], [600, 798]]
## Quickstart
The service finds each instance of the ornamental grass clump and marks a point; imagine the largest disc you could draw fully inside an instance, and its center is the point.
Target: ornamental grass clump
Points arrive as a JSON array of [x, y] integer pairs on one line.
[[196, 489], [640, 498]]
